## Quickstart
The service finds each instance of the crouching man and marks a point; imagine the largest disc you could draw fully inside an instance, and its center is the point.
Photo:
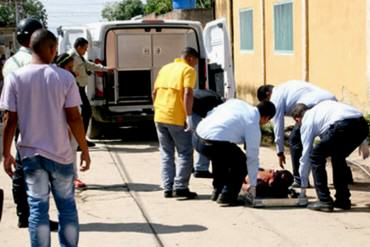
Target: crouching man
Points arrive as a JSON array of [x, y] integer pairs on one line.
[[341, 129], [231, 123]]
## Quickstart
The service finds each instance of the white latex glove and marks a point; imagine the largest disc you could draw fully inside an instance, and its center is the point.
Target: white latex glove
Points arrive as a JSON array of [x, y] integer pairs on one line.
[[302, 198], [303, 193], [363, 149], [251, 195], [189, 124]]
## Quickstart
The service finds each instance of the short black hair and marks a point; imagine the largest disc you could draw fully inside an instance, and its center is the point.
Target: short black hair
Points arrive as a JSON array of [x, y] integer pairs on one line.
[[189, 51], [80, 42], [283, 179], [63, 59], [266, 109], [42, 39], [299, 110], [262, 91]]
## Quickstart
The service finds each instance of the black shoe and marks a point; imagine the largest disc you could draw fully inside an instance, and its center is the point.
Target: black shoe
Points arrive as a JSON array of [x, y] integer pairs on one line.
[[53, 226], [22, 223], [168, 194], [345, 205], [185, 193], [215, 194], [321, 206], [90, 144], [202, 174], [225, 198]]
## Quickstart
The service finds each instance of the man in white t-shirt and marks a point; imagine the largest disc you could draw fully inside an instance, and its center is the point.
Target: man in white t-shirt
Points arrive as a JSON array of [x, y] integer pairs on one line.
[[43, 101]]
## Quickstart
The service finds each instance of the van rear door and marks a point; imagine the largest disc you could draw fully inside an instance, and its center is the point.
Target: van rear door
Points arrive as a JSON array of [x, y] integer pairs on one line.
[[68, 35], [220, 66]]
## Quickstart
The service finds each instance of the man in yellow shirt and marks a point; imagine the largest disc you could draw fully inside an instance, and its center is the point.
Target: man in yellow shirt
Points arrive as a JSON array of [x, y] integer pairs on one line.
[[173, 101]]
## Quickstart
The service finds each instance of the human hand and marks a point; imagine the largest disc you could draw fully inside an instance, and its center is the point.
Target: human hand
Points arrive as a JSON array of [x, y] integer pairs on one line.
[[251, 195], [189, 124], [85, 161], [281, 160], [363, 150], [8, 162]]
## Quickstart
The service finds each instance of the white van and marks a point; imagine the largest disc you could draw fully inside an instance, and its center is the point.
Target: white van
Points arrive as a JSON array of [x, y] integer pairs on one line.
[[137, 49]]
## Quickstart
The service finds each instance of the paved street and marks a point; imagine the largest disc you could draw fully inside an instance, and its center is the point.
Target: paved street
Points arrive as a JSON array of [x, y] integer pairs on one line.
[[124, 206]]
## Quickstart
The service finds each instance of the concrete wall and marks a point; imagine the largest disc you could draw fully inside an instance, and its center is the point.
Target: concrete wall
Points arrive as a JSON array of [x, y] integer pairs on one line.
[[338, 53], [201, 15], [331, 47]]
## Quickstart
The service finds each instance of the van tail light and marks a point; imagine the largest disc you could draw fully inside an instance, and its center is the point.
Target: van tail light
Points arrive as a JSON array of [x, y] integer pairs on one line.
[[99, 88], [98, 73]]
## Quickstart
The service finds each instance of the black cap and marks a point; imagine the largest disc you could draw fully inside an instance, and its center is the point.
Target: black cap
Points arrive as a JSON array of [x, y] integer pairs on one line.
[[25, 29]]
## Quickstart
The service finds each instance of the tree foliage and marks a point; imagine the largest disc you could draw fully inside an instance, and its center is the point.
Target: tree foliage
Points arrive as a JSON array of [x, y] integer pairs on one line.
[[26, 8], [126, 9], [123, 10], [158, 7]]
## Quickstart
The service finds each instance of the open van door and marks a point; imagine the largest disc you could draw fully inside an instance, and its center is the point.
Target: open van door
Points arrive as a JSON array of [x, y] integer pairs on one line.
[[68, 35], [218, 49]]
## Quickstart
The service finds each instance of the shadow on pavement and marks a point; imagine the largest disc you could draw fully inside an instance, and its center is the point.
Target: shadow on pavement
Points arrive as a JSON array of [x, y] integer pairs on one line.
[[139, 227], [360, 186]]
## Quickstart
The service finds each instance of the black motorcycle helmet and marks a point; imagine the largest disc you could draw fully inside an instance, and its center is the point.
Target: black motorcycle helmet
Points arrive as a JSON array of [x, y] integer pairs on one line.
[[25, 28]]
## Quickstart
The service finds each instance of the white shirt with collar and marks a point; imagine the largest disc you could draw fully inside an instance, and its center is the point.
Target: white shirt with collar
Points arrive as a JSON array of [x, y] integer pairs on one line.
[[81, 66], [237, 122], [286, 96], [314, 123], [21, 58]]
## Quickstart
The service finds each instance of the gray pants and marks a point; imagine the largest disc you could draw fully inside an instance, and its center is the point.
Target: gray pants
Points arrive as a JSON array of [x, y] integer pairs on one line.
[[175, 175]]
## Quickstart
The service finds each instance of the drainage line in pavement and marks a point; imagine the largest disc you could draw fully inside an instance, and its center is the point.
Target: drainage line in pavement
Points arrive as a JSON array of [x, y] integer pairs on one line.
[[125, 177]]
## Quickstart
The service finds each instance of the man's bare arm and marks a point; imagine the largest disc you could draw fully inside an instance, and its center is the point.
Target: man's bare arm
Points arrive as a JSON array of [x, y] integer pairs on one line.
[[74, 121], [188, 101], [10, 120]]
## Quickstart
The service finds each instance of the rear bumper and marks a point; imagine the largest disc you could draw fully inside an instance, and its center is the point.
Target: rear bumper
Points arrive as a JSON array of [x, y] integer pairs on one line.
[[124, 117]]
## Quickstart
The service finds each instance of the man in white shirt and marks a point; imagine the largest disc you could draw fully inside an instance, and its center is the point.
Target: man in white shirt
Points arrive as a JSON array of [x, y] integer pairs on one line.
[[231, 123], [341, 129], [83, 69], [285, 96], [43, 101]]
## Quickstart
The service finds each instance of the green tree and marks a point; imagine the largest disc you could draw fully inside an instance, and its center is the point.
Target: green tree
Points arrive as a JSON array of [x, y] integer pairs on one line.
[[158, 7], [26, 8], [123, 10]]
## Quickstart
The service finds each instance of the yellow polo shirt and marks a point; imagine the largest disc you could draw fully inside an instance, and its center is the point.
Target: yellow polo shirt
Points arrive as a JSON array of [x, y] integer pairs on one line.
[[171, 81]]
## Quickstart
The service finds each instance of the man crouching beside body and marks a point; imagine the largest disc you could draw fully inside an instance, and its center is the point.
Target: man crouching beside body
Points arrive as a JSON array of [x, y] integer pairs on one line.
[[43, 101], [217, 137]]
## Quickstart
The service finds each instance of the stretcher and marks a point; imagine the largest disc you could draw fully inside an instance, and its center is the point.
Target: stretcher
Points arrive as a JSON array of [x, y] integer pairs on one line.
[[276, 202]]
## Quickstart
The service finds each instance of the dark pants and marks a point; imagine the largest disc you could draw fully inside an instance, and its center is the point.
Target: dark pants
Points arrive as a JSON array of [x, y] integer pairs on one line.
[[337, 142], [85, 108], [295, 146], [19, 191], [228, 164]]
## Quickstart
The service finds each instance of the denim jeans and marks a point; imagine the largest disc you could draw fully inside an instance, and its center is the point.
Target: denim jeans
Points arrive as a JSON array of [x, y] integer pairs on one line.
[[171, 137], [296, 148], [41, 176], [337, 142], [201, 162], [228, 163]]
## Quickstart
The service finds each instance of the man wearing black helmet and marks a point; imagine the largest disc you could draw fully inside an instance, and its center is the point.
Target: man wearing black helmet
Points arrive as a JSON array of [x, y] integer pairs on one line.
[[22, 57]]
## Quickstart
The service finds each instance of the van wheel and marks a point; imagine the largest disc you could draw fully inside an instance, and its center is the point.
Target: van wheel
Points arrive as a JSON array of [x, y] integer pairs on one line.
[[96, 129]]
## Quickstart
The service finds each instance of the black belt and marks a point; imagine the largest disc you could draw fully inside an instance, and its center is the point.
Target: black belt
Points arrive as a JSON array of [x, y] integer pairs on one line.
[[210, 142]]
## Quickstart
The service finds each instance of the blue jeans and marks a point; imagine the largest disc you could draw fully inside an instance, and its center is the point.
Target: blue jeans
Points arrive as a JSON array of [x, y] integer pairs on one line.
[[296, 148], [41, 176], [201, 162], [171, 137]]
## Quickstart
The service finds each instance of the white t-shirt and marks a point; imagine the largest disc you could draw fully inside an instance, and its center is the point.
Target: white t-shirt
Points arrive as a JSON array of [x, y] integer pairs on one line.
[[39, 93]]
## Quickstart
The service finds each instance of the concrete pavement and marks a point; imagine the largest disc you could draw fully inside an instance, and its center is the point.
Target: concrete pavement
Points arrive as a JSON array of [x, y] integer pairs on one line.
[[124, 206]]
